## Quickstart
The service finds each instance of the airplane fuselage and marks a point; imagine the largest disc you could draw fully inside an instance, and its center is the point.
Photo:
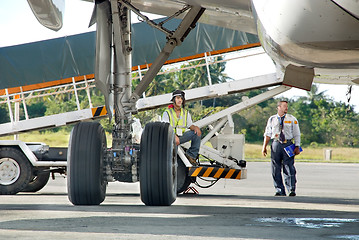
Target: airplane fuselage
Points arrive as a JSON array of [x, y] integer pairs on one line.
[[309, 33]]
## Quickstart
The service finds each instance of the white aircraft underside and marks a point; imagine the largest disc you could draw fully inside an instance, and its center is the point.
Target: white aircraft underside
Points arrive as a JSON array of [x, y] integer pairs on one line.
[[321, 34], [317, 34]]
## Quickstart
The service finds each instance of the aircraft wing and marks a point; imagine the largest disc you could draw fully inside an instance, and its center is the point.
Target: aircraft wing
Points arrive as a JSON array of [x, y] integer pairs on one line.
[[231, 14]]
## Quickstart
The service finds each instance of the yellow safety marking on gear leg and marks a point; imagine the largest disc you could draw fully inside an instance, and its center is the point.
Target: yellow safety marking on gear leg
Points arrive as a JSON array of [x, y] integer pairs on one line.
[[287, 121], [219, 173], [208, 171], [230, 173], [99, 111], [239, 175]]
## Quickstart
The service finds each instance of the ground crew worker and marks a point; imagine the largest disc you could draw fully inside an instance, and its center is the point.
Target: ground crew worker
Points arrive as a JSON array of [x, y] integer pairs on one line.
[[283, 128], [180, 119]]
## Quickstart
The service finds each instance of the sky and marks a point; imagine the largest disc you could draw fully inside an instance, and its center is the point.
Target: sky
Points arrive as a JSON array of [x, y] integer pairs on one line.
[[18, 25]]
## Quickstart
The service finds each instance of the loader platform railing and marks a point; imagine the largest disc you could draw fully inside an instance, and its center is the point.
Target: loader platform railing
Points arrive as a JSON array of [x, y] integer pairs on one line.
[[14, 100]]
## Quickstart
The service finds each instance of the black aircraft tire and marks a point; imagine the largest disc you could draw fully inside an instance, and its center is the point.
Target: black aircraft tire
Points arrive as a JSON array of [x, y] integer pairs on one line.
[[15, 171], [158, 165], [85, 174], [183, 180], [39, 180]]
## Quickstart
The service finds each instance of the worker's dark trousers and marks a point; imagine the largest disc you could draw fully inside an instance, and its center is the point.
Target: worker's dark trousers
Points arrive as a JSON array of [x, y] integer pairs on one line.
[[279, 160], [195, 143]]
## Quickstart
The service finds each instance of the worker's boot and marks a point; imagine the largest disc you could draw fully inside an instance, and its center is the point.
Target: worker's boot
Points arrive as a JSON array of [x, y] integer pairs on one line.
[[192, 160]]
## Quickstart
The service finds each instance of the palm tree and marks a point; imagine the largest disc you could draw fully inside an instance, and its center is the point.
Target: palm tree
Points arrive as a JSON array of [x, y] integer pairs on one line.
[[314, 94], [198, 76]]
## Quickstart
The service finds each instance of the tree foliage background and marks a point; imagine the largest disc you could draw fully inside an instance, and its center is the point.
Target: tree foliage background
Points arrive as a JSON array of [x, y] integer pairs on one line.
[[322, 120]]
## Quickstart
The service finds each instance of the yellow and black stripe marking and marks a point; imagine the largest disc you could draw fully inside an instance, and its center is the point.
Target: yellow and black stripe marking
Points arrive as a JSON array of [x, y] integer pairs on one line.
[[215, 172], [99, 111]]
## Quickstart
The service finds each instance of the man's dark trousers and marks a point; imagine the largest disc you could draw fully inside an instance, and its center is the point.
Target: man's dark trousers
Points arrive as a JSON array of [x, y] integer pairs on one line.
[[279, 159]]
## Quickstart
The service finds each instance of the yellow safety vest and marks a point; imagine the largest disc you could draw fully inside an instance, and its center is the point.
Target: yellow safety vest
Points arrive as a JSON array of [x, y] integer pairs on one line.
[[180, 123]]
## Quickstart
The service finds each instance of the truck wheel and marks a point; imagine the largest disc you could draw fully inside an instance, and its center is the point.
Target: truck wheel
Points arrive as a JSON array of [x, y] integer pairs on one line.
[[86, 183], [15, 171], [183, 180], [158, 165], [39, 180]]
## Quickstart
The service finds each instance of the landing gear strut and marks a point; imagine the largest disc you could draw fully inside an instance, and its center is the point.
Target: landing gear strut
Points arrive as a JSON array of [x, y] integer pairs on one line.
[[90, 164]]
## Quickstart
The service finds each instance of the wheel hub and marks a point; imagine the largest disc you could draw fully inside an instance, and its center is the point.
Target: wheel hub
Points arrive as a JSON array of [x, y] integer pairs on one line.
[[9, 171]]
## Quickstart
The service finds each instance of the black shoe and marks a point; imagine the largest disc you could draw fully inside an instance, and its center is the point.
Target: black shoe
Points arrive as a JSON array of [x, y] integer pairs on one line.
[[279, 194], [292, 194]]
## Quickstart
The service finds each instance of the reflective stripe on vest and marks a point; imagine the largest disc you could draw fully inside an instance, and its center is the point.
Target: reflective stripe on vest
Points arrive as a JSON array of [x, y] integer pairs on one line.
[[180, 122]]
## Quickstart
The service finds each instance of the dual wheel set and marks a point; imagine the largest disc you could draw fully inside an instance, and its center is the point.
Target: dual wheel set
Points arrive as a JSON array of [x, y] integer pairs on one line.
[[158, 171]]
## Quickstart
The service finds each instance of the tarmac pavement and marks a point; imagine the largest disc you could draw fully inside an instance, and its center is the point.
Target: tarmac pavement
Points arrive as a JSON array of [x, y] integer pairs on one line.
[[326, 207]]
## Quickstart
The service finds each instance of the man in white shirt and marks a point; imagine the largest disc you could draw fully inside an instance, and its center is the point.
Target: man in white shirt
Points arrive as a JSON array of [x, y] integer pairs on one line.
[[284, 129]]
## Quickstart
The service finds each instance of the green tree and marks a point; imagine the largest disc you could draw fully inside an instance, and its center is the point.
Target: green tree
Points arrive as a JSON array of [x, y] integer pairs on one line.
[[252, 121], [4, 115], [37, 109], [314, 94]]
